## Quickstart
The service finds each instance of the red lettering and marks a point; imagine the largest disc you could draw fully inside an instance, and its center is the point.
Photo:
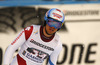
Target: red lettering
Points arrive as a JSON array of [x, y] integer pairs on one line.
[[57, 15], [58, 10], [17, 38], [31, 39]]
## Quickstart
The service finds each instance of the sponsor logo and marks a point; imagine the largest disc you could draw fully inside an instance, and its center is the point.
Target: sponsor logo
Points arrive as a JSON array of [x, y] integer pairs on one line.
[[35, 55], [33, 58], [36, 32], [41, 45], [17, 38], [57, 15], [58, 10]]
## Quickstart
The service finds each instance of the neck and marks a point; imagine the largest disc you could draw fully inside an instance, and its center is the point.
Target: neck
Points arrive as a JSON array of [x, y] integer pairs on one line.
[[46, 33]]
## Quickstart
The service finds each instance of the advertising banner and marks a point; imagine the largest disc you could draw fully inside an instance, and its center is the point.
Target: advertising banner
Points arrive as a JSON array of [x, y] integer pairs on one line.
[[78, 11]]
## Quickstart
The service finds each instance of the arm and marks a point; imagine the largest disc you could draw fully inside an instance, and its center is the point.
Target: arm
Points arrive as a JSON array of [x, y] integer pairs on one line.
[[20, 39], [54, 56]]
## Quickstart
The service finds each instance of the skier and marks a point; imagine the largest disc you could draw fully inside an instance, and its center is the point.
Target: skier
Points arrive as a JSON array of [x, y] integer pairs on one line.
[[37, 42]]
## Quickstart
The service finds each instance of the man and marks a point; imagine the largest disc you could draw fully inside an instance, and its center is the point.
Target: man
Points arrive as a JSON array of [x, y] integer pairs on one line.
[[37, 42]]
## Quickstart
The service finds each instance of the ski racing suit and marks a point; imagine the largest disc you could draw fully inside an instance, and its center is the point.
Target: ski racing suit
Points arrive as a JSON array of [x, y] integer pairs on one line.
[[34, 48]]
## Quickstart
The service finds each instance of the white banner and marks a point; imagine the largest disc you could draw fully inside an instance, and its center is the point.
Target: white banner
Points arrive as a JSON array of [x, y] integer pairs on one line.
[[78, 11]]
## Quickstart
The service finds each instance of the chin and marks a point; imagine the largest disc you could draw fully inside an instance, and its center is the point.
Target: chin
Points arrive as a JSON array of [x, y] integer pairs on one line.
[[51, 33]]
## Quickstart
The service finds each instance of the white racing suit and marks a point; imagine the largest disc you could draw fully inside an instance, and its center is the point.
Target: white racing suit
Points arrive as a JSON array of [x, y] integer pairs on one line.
[[34, 48]]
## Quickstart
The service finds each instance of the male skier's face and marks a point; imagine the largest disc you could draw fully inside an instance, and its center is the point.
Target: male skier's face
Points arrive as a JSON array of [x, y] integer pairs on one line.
[[50, 30]]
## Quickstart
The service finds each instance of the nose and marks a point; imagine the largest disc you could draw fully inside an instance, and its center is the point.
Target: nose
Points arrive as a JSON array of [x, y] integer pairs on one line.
[[53, 27]]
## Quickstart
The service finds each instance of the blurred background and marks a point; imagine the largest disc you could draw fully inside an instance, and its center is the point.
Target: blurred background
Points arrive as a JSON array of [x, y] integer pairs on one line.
[[80, 34]]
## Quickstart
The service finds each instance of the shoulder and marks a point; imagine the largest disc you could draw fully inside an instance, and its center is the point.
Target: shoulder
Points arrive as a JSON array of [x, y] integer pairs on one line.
[[58, 47], [58, 40], [28, 30], [57, 37]]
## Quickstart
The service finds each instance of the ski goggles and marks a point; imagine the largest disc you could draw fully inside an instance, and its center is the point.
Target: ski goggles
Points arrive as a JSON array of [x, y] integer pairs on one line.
[[54, 23]]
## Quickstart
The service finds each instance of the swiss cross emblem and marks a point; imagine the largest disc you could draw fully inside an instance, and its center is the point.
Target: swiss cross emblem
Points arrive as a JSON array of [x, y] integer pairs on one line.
[[28, 28]]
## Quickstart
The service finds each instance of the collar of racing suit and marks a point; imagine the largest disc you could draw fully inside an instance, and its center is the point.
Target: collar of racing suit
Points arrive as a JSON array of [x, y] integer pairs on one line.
[[43, 37]]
